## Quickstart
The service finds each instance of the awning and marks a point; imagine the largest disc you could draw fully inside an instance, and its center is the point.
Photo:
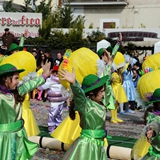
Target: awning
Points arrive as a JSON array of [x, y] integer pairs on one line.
[[96, 3], [141, 43]]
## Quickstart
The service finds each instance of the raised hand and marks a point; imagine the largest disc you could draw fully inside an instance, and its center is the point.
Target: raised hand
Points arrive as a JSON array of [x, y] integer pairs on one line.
[[65, 75], [110, 58], [149, 134], [46, 69]]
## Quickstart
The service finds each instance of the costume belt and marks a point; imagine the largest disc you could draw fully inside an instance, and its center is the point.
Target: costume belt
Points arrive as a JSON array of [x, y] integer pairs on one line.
[[93, 133], [12, 127], [153, 152], [94, 136]]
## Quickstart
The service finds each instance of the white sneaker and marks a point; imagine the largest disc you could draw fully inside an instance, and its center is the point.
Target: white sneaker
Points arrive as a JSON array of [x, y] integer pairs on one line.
[[130, 111]]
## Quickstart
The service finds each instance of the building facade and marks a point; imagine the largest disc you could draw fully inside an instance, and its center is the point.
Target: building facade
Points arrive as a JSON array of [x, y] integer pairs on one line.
[[118, 13], [33, 3], [138, 20]]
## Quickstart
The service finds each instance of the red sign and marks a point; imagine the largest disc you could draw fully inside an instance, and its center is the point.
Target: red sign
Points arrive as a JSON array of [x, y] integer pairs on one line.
[[21, 22]]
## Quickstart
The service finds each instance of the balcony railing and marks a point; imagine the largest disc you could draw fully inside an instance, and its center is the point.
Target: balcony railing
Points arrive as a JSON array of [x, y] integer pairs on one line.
[[94, 2]]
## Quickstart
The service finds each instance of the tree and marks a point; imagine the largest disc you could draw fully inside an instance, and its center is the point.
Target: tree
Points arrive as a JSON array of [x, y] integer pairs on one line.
[[26, 7], [8, 7]]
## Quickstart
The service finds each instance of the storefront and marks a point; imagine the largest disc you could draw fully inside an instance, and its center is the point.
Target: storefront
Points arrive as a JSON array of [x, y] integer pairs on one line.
[[19, 22]]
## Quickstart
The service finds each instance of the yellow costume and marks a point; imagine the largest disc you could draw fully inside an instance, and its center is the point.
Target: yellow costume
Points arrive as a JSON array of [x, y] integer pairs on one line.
[[29, 119], [118, 90], [148, 83], [68, 130]]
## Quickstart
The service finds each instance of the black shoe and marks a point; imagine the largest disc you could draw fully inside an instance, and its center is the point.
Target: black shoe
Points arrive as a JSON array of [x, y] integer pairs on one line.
[[44, 99]]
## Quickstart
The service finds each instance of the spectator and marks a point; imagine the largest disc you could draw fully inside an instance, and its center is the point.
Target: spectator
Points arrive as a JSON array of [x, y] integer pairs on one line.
[[8, 38], [49, 57], [34, 53], [41, 61], [58, 60]]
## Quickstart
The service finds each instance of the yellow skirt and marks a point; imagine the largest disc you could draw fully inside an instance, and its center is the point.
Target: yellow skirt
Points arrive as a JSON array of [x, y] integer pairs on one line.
[[30, 123], [69, 130], [119, 93], [140, 148]]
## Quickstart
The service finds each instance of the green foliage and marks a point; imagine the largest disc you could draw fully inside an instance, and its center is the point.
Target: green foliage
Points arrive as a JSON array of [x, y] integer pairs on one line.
[[96, 36], [91, 26], [8, 7], [45, 9], [26, 7]]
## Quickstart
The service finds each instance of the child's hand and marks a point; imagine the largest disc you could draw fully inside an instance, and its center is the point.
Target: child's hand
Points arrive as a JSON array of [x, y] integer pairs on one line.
[[65, 75], [46, 69], [149, 134], [110, 59]]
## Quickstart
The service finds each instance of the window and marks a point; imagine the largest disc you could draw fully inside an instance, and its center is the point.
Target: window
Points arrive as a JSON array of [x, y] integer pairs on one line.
[[109, 24]]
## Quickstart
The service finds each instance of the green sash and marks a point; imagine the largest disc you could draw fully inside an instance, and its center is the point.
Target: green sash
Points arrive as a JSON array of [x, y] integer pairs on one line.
[[12, 127], [94, 136]]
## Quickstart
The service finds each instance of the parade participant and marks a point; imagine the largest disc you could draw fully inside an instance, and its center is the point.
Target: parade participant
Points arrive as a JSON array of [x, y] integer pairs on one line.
[[104, 55], [129, 87], [88, 102], [116, 81], [13, 140], [147, 146], [56, 99], [20, 59], [14, 48]]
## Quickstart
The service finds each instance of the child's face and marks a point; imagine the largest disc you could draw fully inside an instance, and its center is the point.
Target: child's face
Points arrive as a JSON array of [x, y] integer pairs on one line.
[[99, 96], [55, 73], [105, 57], [12, 82]]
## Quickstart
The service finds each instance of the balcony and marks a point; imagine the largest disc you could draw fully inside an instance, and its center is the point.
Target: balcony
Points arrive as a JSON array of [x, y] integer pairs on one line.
[[95, 3]]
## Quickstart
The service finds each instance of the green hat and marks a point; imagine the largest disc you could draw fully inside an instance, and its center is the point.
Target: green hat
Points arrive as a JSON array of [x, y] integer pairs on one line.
[[14, 47], [92, 82], [100, 51], [109, 49], [9, 68], [155, 96]]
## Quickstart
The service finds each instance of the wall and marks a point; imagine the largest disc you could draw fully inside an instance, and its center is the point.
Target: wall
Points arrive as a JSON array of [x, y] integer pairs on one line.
[[137, 14]]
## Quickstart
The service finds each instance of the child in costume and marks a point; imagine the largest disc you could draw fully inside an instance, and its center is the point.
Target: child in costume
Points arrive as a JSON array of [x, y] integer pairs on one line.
[[117, 81], [88, 102], [30, 124], [56, 99], [128, 86], [108, 64], [13, 140], [147, 146]]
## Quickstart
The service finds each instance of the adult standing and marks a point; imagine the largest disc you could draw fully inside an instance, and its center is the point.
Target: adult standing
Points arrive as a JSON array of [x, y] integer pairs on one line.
[[49, 57], [58, 60], [8, 38]]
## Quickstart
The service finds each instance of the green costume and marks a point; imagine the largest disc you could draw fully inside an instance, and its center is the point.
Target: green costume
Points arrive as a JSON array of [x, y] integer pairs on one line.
[[107, 71], [14, 144], [90, 144], [109, 101], [154, 151]]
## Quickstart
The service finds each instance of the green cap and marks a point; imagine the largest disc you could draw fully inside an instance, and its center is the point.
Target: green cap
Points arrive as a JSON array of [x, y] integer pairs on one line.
[[91, 82], [9, 68]]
